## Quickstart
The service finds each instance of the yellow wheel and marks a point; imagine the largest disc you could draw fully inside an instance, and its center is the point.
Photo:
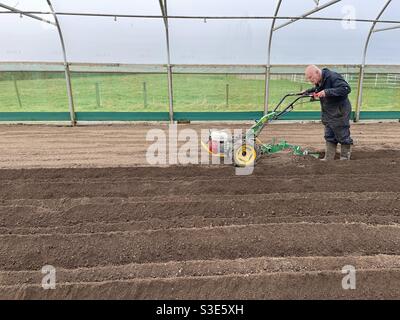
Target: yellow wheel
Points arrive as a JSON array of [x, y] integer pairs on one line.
[[245, 155]]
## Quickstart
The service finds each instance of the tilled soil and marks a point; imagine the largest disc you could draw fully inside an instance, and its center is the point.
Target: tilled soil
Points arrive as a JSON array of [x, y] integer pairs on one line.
[[23, 146], [85, 201], [187, 232]]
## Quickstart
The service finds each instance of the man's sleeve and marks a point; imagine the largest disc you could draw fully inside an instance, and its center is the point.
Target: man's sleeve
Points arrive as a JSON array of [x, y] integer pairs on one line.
[[311, 90], [340, 88]]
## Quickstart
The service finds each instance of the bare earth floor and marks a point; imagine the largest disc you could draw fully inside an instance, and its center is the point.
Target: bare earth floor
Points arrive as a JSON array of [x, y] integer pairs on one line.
[[86, 201]]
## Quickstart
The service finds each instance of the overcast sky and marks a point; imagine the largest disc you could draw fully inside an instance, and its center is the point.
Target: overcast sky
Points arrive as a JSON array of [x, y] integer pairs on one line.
[[128, 40]]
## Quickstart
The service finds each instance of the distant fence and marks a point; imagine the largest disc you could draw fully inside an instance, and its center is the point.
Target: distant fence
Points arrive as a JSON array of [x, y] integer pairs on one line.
[[121, 93], [371, 80]]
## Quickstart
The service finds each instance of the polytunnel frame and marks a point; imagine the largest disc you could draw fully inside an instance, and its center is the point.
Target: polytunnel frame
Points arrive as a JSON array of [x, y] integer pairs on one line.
[[165, 17], [362, 67], [62, 43], [66, 67], [273, 28], [163, 8]]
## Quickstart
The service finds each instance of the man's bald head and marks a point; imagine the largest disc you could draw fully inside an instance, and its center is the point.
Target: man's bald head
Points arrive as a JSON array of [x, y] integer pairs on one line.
[[313, 74]]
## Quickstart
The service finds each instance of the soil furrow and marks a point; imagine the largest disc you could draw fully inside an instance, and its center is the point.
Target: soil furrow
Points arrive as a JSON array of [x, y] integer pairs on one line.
[[275, 165], [371, 284], [140, 215], [236, 185], [194, 268], [31, 252]]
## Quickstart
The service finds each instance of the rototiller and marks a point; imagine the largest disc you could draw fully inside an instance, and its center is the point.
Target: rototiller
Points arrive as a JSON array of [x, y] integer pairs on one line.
[[246, 149]]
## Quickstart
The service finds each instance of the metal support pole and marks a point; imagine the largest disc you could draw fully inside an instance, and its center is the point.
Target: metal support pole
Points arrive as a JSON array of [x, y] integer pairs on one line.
[[69, 93], [163, 7], [144, 95], [268, 67], [170, 95], [227, 95], [359, 93], [113, 15], [362, 68], [308, 13], [66, 68], [15, 10], [17, 92], [266, 94], [387, 29], [98, 100]]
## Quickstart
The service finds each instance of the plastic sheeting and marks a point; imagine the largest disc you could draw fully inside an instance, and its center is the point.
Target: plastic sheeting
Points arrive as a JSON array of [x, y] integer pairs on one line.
[[131, 40]]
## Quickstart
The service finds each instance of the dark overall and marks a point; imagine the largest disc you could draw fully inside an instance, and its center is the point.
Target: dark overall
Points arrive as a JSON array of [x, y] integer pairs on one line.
[[335, 107]]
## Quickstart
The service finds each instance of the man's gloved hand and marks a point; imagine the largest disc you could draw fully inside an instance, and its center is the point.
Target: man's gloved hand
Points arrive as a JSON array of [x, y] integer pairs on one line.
[[320, 94]]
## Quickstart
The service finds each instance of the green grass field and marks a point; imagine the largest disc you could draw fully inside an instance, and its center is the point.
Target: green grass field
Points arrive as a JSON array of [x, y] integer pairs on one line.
[[148, 92]]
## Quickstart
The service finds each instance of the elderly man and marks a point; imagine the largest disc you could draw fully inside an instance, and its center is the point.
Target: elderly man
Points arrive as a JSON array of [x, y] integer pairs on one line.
[[332, 90]]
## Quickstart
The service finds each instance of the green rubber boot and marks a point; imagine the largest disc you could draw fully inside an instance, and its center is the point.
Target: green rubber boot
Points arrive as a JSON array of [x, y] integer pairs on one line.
[[345, 152], [330, 152]]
